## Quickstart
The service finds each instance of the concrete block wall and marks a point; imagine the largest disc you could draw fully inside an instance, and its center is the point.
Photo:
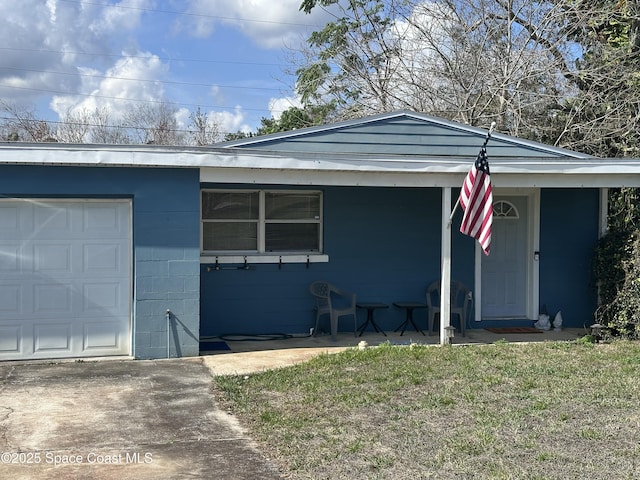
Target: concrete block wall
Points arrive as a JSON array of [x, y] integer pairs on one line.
[[167, 267], [167, 284]]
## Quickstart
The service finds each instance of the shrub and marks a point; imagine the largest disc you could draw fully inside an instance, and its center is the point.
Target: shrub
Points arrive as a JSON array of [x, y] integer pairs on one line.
[[617, 266]]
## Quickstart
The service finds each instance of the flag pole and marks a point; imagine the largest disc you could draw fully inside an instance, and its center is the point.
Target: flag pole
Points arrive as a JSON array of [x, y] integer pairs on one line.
[[484, 145], [445, 275]]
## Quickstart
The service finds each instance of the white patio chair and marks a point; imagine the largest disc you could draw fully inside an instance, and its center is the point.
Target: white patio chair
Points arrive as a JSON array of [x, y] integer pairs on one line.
[[336, 303], [460, 300]]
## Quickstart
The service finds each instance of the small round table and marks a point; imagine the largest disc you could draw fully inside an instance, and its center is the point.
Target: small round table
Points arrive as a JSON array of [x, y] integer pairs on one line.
[[409, 307], [371, 307]]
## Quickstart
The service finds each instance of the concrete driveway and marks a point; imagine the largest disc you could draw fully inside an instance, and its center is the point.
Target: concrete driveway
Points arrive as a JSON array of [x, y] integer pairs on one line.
[[120, 420]]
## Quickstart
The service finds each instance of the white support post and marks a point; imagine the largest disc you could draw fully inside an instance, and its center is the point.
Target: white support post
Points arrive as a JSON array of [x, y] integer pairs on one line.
[[603, 222], [445, 287], [604, 211]]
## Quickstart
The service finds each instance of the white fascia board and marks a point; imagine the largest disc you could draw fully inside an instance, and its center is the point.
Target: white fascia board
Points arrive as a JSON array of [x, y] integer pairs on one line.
[[565, 181], [413, 179], [420, 172], [328, 177], [100, 155], [241, 166], [564, 165], [420, 164]]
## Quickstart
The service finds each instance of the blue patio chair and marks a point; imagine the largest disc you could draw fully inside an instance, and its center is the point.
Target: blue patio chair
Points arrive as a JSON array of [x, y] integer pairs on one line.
[[336, 303], [460, 300]]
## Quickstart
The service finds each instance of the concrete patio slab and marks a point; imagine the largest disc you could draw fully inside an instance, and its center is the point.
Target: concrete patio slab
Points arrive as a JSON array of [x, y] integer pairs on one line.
[[251, 354]]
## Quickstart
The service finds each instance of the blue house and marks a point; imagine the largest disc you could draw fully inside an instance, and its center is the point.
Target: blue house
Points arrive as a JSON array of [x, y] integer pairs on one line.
[[143, 250]]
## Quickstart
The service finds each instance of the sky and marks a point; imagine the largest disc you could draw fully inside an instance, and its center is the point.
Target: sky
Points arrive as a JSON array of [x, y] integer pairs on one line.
[[231, 58]]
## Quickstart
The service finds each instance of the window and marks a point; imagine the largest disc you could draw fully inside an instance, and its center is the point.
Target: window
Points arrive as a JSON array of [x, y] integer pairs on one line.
[[505, 210], [261, 221]]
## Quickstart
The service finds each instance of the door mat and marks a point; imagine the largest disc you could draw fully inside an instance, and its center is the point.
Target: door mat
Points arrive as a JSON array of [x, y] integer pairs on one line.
[[514, 330], [213, 346]]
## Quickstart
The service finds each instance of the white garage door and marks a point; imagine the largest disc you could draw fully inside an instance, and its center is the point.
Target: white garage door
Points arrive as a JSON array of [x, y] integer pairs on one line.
[[65, 278]]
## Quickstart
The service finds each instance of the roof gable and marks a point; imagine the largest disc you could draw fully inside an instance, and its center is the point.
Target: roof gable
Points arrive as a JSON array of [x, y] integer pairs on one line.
[[399, 133]]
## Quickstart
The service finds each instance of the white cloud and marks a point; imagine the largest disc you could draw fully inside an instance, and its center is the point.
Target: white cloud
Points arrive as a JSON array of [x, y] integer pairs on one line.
[[279, 105], [270, 24], [121, 16], [215, 92], [32, 38], [63, 57], [51, 5], [230, 122], [183, 118], [41, 44], [114, 90]]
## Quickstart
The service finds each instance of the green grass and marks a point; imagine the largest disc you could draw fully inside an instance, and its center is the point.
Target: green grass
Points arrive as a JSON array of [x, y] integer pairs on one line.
[[502, 411]]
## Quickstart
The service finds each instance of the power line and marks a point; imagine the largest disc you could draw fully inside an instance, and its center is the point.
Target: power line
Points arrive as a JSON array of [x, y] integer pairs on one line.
[[188, 14], [122, 127], [192, 105], [107, 77], [167, 59]]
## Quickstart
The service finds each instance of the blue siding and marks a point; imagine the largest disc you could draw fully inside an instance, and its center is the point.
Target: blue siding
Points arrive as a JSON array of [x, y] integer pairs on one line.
[[383, 244], [166, 223], [401, 135], [569, 233]]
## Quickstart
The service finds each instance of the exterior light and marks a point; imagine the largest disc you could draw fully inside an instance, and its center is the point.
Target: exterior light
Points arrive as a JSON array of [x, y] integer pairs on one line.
[[449, 333], [597, 332]]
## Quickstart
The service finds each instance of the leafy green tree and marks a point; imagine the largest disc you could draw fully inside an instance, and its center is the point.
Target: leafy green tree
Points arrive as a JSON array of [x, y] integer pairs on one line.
[[239, 135], [617, 265], [295, 118]]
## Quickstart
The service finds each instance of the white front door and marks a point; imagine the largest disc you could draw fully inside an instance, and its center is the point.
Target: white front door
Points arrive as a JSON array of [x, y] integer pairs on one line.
[[504, 270], [65, 278]]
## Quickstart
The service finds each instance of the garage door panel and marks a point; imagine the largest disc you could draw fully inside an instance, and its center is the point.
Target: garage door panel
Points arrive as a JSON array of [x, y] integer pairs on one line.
[[53, 219], [103, 298], [52, 299], [10, 221], [101, 220], [103, 258], [104, 335], [65, 283], [52, 259], [10, 340], [10, 300], [52, 337], [10, 258]]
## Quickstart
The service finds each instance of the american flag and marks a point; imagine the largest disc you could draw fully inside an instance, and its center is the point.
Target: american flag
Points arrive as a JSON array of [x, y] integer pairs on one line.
[[476, 199]]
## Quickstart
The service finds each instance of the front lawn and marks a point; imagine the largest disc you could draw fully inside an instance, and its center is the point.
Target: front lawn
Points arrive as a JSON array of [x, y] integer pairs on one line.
[[565, 410]]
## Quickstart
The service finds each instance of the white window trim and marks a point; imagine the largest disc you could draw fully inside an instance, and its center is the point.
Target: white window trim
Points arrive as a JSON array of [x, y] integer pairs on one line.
[[260, 255]]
